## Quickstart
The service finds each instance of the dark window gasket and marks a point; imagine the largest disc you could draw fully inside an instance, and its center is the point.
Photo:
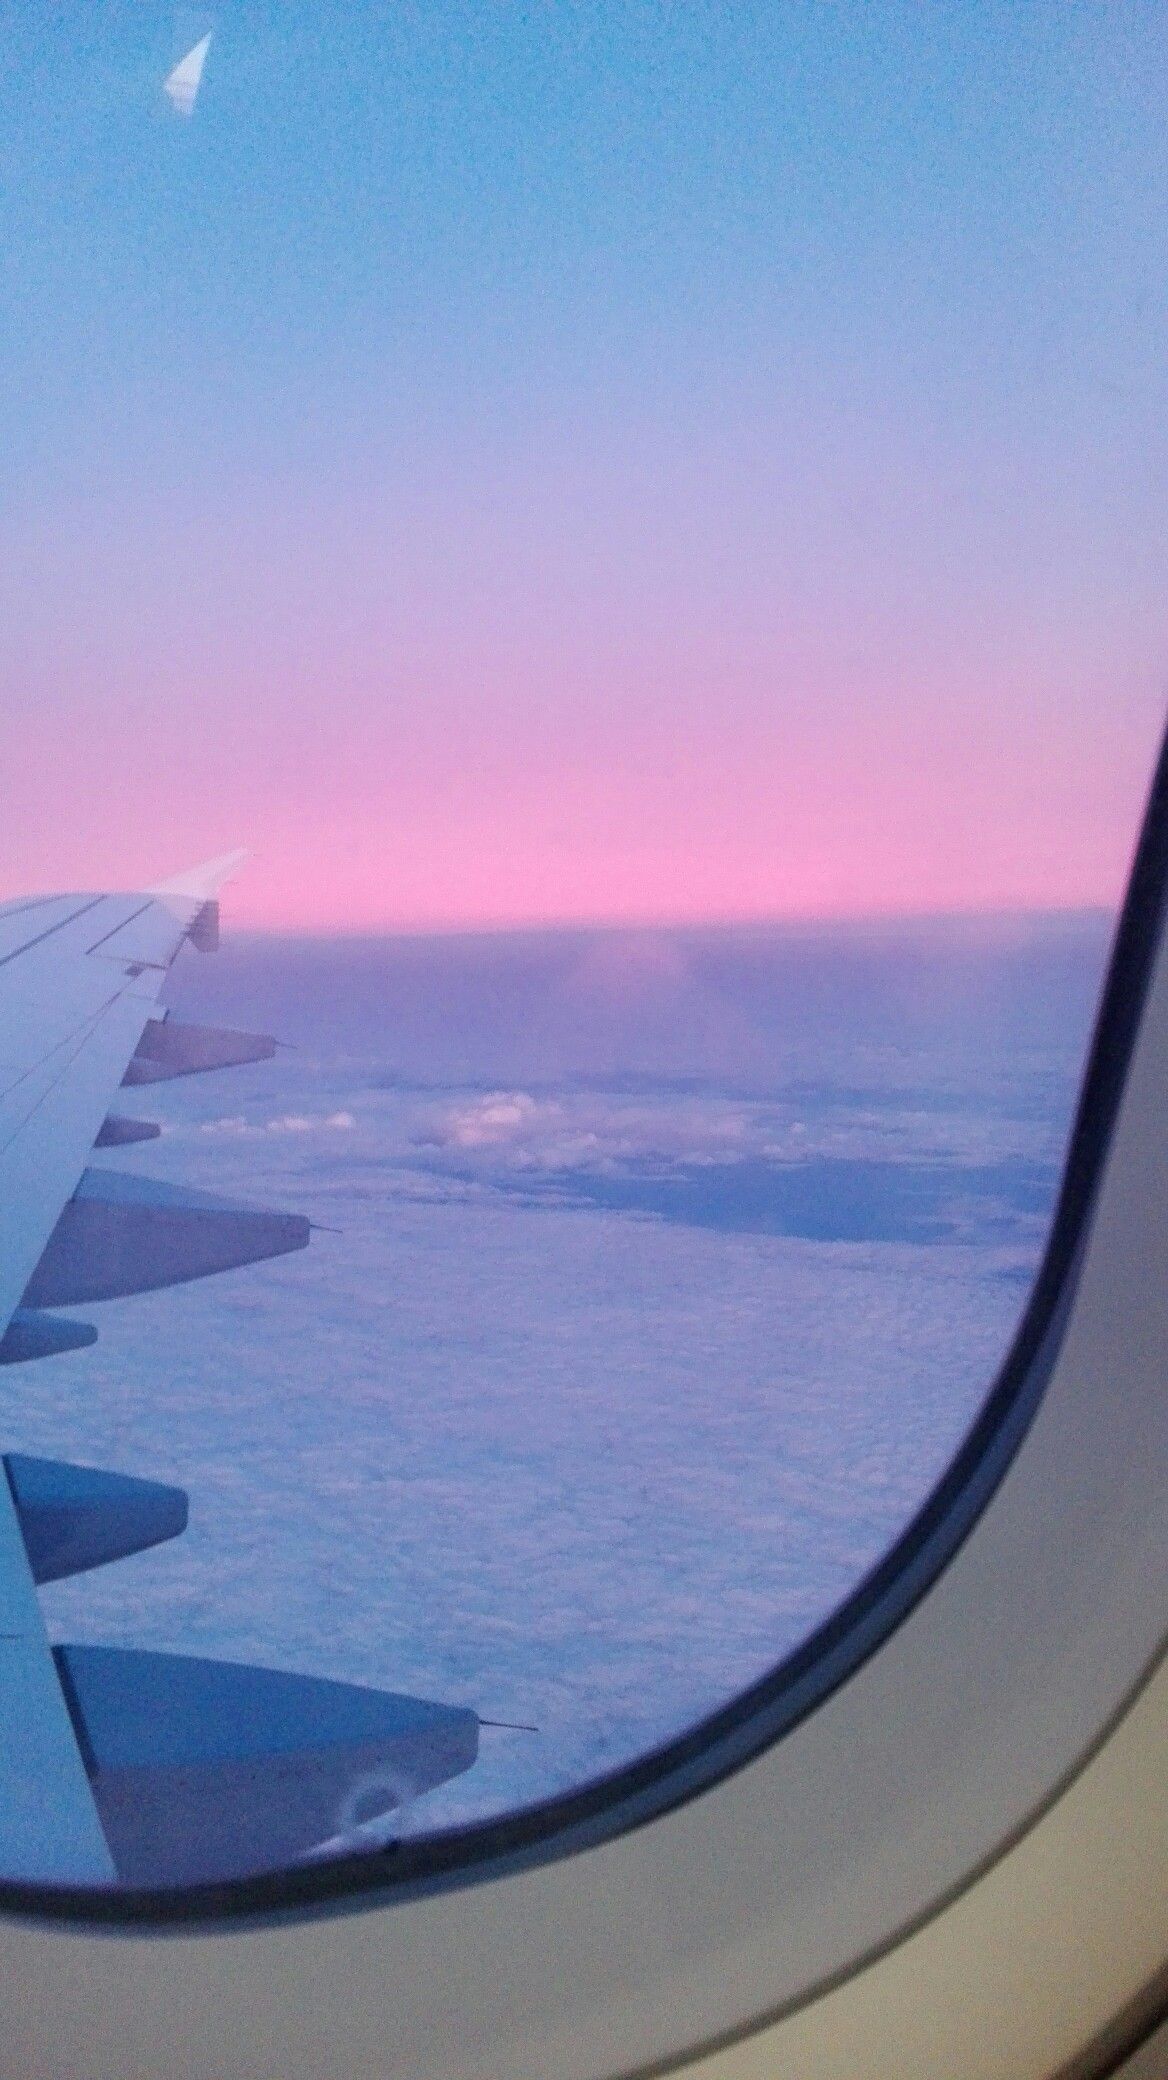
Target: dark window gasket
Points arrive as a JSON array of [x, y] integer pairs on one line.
[[735, 1733]]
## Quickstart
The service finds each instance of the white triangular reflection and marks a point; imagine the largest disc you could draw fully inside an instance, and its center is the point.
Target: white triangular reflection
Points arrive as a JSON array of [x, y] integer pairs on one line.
[[182, 85]]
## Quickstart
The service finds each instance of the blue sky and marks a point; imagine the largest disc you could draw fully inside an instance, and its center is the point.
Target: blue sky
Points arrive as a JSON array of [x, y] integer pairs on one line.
[[524, 456]]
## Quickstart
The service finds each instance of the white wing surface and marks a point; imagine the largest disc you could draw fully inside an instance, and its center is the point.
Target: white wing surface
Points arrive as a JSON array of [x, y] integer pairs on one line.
[[79, 979], [50, 1832], [120, 1766]]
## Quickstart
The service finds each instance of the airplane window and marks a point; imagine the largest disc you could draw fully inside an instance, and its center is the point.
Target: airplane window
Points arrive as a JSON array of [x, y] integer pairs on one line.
[[647, 527]]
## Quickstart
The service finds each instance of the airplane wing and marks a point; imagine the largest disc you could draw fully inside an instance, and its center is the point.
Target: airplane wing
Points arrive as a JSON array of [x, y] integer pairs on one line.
[[79, 980], [118, 1766]]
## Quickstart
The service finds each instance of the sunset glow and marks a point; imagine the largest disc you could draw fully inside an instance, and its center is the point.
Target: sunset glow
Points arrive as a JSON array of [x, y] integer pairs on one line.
[[626, 467]]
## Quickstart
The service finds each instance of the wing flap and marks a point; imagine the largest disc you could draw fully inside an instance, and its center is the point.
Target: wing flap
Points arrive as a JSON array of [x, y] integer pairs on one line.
[[26, 925]]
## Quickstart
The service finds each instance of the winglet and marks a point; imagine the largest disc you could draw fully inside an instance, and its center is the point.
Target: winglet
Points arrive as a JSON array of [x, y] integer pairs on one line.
[[201, 884]]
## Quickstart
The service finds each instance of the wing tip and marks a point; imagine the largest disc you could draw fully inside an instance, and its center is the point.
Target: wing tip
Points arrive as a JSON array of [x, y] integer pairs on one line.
[[202, 883]]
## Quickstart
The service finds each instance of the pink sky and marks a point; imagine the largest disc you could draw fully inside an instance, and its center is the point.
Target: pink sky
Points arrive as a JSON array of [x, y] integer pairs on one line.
[[657, 467], [545, 694], [471, 817]]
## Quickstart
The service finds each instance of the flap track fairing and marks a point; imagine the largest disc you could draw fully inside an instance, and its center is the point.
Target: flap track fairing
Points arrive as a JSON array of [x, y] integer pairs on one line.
[[73, 1518], [32, 1335], [119, 1133], [121, 1234], [204, 1770], [168, 1049]]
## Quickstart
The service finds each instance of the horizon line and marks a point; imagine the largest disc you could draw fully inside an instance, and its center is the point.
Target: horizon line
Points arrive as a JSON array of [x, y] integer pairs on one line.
[[455, 928]]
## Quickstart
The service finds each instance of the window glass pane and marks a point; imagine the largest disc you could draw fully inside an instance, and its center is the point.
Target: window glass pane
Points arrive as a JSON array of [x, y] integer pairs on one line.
[[648, 524]]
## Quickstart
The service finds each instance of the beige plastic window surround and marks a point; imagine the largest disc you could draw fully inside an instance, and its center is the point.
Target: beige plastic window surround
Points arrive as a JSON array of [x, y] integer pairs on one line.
[[957, 1863]]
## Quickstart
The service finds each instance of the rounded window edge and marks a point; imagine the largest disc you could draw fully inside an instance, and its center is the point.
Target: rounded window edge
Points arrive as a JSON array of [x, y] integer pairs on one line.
[[759, 1717]]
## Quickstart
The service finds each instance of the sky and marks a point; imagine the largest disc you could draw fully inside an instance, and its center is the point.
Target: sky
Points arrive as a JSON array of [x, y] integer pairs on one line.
[[528, 463]]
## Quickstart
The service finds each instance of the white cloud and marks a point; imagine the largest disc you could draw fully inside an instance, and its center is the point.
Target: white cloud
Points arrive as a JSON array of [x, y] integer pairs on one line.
[[591, 1131], [240, 1128]]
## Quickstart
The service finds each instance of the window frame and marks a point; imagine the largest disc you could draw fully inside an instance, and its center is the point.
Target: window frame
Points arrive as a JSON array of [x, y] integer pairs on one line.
[[729, 1738]]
